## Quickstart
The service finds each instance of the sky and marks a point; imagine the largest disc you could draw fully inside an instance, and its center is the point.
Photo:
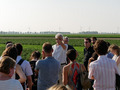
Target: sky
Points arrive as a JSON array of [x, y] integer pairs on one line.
[[60, 15]]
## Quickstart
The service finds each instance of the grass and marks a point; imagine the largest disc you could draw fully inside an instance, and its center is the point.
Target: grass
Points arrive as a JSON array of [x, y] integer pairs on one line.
[[34, 42], [69, 35]]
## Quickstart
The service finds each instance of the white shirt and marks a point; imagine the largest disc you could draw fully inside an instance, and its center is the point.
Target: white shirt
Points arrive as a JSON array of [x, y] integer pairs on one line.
[[103, 70], [25, 66], [59, 53], [115, 57], [10, 84]]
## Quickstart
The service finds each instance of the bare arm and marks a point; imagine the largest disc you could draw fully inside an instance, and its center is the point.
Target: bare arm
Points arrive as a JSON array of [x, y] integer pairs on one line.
[[65, 76], [20, 73], [29, 82]]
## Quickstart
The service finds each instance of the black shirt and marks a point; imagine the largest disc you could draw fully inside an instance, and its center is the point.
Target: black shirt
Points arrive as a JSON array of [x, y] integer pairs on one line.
[[69, 47], [87, 54]]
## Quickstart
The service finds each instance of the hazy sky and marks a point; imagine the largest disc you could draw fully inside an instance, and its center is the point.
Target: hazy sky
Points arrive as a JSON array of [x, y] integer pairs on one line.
[[60, 15]]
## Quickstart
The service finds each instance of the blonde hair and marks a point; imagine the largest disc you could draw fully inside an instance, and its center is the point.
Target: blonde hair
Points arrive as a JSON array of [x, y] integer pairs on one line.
[[58, 87], [116, 48], [6, 63]]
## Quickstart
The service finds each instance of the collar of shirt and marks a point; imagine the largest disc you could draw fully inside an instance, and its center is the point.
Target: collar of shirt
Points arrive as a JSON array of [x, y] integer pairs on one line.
[[102, 57], [50, 57], [18, 59]]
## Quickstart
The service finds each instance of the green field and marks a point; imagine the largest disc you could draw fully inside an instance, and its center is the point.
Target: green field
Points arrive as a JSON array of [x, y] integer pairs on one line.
[[34, 42], [69, 35]]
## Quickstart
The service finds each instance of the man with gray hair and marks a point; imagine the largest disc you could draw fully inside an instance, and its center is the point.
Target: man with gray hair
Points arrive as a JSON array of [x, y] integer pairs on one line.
[[59, 52], [66, 41]]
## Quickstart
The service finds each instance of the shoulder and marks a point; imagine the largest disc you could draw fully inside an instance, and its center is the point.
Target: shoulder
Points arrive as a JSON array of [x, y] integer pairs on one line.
[[40, 61], [14, 81], [94, 63], [54, 45], [66, 67], [111, 60], [26, 62]]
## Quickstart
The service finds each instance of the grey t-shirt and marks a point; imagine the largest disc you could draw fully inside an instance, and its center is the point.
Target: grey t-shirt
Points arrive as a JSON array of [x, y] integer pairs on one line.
[[48, 72]]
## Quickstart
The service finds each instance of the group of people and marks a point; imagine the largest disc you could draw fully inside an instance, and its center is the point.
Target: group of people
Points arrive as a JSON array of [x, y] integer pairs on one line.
[[58, 68]]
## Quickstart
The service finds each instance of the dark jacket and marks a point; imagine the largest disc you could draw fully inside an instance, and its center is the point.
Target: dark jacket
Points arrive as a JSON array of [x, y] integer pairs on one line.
[[87, 54]]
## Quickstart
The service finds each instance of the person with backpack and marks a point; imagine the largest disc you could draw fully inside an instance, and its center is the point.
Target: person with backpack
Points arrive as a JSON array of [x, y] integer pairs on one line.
[[12, 52], [35, 56], [72, 70], [25, 65], [7, 66]]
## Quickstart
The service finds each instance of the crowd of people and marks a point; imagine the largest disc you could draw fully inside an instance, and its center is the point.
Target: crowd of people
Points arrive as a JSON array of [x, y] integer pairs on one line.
[[58, 68]]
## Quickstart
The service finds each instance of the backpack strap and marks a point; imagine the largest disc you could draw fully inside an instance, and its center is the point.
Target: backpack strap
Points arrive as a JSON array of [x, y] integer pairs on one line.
[[20, 62]]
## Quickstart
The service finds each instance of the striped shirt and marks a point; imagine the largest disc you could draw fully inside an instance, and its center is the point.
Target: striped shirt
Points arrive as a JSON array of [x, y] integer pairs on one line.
[[103, 70]]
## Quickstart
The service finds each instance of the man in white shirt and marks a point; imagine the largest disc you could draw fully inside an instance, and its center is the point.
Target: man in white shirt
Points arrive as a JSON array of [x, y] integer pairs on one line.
[[25, 65], [59, 52], [103, 70]]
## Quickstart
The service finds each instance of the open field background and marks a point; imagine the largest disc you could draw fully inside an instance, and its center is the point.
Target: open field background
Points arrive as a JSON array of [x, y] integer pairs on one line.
[[34, 42]]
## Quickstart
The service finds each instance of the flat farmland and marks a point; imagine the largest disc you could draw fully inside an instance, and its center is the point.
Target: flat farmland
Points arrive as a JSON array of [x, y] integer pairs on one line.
[[34, 42]]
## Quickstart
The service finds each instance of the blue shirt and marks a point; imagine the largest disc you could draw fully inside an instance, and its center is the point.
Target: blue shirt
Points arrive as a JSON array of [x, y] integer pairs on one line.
[[110, 55], [48, 72]]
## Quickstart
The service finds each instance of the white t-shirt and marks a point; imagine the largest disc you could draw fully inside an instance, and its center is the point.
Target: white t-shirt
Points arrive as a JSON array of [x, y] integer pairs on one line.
[[25, 66], [59, 53], [10, 84]]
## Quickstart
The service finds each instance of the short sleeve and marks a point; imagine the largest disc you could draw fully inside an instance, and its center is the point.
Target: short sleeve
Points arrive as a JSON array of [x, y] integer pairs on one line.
[[91, 71], [19, 86], [28, 70], [37, 66]]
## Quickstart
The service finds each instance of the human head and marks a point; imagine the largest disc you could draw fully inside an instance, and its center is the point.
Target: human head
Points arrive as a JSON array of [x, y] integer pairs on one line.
[[100, 47], [58, 87], [58, 37], [87, 42], [6, 65], [9, 45], [65, 40], [11, 52], [35, 55], [19, 48], [8, 42], [47, 48], [71, 54], [114, 49], [93, 40]]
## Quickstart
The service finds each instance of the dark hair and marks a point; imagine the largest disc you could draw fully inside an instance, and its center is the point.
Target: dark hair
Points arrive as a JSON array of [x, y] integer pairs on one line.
[[108, 44], [88, 39], [71, 54], [47, 47], [94, 38], [19, 48], [101, 47], [5, 64], [11, 52], [95, 56], [35, 55], [8, 42]]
